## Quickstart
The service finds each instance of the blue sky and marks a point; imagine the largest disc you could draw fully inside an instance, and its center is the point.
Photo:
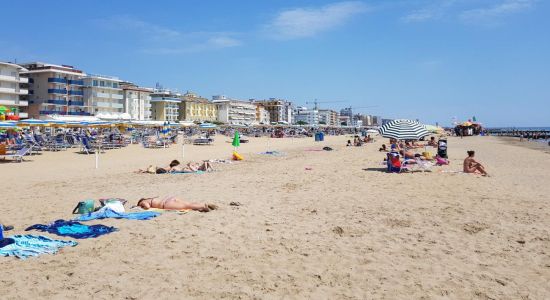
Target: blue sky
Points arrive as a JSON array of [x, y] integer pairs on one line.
[[426, 59]]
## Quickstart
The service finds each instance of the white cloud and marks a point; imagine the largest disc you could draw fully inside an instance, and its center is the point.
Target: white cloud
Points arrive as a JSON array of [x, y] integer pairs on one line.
[[150, 35], [492, 15], [307, 22], [432, 12]]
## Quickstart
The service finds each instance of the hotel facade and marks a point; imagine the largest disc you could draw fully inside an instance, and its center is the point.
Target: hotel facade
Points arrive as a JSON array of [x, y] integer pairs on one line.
[[165, 105], [197, 109], [13, 91], [137, 101], [280, 111], [235, 112], [105, 97], [55, 90]]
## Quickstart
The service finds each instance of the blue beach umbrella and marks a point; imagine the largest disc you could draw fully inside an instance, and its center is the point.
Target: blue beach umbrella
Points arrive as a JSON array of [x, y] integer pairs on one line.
[[7, 125]]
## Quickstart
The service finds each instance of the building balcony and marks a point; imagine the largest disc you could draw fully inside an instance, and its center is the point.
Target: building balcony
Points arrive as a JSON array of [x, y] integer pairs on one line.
[[76, 93], [23, 115], [79, 113], [57, 80], [52, 112], [13, 102], [76, 103], [13, 79], [101, 95], [57, 91], [8, 90], [57, 102], [23, 92], [117, 105], [117, 96], [76, 82]]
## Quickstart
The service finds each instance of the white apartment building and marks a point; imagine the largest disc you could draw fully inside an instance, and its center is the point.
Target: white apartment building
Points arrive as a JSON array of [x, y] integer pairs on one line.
[[11, 93], [165, 105], [235, 112], [105, 97], [137, 101], [305, 115], [328, 117], [55, 90]]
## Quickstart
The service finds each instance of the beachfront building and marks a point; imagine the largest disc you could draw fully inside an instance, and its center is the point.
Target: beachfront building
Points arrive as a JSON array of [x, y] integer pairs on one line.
[[280, 111], [306, 116], [328, 117], [344, 120], [13, 91], [235, 112], [137, 101], [262, 114], [197, 109], [165, 105], [105, 97], [55, 90]]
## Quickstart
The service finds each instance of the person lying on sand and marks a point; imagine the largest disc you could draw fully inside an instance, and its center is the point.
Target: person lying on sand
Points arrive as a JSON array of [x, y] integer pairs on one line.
[[472, 166], [173, 203], [383, 148], [175, 166], [407, 154]]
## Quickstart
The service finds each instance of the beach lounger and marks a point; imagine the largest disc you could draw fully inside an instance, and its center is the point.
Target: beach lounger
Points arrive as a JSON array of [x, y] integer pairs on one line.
[[18, 156], [202, 141]]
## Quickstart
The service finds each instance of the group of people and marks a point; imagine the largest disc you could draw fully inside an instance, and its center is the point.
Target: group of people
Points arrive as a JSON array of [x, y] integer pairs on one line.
[[176, 167], [405, 150], [357, 141]]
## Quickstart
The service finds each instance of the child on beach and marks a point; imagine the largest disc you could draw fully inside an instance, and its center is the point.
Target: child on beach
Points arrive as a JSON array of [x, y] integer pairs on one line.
[[472, 166]]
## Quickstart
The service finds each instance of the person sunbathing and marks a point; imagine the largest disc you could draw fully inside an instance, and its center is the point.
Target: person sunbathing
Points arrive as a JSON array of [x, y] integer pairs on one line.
[[173, 203], [472, 166], [175, 167], [407, 154], [432, 142], [383, 148]]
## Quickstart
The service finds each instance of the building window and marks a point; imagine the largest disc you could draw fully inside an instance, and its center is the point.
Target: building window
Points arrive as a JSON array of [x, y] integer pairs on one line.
[[102, 83], [115, 85], [95, 83]]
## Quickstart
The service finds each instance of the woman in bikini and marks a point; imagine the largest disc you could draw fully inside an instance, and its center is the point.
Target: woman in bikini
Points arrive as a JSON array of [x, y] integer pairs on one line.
[[173, 203]]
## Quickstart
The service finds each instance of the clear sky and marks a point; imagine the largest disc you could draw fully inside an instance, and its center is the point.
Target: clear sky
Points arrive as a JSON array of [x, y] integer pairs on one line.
[[434, 60]]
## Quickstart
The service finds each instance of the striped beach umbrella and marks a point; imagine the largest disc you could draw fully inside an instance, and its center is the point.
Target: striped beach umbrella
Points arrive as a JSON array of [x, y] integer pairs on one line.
[[7, 125], [403, 130]]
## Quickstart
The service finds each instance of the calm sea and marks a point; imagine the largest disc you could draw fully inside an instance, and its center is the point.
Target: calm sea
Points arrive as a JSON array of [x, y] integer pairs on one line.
[[521, 128]]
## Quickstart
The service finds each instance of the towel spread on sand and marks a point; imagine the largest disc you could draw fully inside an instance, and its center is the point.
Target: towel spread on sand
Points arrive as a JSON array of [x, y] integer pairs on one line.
[[73, 229], [106, 212], [187, 172], [274, 153], [25, 246]]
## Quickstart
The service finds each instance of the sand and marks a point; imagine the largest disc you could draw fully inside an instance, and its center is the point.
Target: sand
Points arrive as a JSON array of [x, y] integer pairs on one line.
[[341, 230]]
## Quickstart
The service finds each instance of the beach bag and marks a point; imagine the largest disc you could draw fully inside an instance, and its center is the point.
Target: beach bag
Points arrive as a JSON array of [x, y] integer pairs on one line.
[[84, 207], [114, 204]]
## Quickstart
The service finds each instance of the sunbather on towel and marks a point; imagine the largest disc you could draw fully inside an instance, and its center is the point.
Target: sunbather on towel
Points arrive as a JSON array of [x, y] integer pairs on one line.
[[205, 166], [472, 166], [173, 203], [175, 166]]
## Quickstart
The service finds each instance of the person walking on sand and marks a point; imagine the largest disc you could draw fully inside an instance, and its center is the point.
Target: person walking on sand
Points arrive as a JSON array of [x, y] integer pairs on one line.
[[472, 166]]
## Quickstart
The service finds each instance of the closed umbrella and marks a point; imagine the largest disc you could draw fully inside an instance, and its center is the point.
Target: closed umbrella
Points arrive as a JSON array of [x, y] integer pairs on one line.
[[403, 130]]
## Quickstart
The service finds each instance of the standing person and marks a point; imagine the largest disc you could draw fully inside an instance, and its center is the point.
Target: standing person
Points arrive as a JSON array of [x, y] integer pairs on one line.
[[472, 166]]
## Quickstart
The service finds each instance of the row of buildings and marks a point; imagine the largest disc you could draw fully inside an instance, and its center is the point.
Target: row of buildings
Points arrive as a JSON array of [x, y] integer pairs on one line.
[[42, 91]]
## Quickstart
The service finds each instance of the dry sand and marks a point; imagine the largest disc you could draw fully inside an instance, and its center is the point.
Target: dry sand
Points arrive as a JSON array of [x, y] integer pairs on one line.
[[340, 230]]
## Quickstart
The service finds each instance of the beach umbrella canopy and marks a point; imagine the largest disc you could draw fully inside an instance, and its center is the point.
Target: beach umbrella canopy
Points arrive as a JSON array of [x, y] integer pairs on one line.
[[403, 130], [207, 125], [236, 139], [7, 125], [33, 122]]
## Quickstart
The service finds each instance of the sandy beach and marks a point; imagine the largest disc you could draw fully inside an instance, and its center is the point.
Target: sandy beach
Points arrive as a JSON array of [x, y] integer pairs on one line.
[[312, 224]]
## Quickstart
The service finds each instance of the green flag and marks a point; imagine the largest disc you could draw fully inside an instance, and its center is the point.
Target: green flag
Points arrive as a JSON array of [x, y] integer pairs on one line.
[[236, 140]]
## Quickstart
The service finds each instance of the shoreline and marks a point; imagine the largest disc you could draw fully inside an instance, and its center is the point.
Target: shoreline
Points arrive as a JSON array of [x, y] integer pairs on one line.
[[534, 145]]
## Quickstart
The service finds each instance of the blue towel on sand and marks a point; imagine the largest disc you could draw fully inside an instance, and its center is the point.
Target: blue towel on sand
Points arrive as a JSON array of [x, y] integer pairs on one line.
[[25, 246], [109, 213], [73, 229]]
